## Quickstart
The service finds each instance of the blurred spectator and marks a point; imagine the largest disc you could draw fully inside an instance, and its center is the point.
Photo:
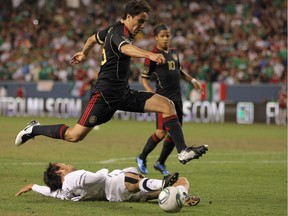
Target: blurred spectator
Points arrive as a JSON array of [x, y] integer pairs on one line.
[[282, 100], [3, 91], [20, 92], [228, 41]]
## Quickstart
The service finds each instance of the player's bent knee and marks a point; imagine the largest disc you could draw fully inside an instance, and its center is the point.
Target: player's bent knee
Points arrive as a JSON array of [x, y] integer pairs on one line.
[[182, 181], [131, 170], [172, 105], [170, 108], [76, 133], [161, 134], [74, 137], [132, 182]]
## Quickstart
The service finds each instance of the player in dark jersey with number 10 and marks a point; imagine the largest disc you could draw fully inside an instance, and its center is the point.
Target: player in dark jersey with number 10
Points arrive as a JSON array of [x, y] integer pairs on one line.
[[112, 91], [167, 77]]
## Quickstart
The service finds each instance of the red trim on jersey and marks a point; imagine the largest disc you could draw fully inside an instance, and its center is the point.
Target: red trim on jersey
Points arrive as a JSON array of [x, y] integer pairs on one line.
[[89, 108], [147, 60], [155, 50], [126, 31]]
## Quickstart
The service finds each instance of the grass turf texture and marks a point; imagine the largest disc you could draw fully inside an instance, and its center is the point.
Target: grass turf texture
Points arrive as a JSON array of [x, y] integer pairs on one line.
[[243, 173]]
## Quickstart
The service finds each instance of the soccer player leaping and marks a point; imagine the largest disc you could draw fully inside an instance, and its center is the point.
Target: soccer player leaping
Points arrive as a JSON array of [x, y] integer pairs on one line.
[[112, 92]]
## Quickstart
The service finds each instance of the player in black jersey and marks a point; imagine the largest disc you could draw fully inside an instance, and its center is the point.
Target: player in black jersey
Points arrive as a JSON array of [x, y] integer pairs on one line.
[[167, 78], [112, 92]]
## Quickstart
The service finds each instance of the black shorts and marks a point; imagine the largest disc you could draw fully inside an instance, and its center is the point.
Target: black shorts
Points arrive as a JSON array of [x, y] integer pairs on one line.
[[100, 109], [179, 110]]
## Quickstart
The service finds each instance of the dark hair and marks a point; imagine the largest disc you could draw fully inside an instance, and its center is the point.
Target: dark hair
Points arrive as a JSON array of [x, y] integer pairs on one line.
[[159, 27], [51, 178], [135, 7]]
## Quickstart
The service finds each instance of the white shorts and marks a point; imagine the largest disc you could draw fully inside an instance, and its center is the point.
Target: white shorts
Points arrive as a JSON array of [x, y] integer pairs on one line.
[[115, 185]]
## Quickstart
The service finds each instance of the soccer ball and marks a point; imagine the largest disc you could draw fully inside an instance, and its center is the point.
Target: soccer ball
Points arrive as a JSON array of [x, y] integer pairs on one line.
[[171, 199]]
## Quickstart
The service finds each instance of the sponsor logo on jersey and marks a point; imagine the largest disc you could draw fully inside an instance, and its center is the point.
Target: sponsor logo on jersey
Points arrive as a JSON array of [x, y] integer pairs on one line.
[[92, 119], [175, 57]]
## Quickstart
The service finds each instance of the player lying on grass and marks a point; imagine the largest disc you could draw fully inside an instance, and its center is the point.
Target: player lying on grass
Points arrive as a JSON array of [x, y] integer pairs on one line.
[[65, 182]]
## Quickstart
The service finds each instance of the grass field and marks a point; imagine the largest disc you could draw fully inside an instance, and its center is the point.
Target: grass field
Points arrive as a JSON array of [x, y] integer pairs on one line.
[[244, 172]]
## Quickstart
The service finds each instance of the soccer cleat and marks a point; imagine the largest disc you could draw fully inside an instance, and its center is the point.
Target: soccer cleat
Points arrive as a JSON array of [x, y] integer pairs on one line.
[[169, 180], [142, 165], [26, 134], [161, 168], [191, 200], [191, 153]]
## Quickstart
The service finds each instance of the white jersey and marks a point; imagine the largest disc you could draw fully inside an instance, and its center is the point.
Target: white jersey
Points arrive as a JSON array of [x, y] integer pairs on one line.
[[84, 185]]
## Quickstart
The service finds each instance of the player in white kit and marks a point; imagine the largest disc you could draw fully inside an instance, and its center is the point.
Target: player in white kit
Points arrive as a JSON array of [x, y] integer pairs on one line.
[[66, 183]]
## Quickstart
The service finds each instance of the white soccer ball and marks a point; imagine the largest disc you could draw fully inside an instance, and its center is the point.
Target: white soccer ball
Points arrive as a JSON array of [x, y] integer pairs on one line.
[[171, 199]]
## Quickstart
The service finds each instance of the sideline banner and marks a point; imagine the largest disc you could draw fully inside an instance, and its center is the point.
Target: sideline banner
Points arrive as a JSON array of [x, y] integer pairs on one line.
[[199, 111], [51, 107]]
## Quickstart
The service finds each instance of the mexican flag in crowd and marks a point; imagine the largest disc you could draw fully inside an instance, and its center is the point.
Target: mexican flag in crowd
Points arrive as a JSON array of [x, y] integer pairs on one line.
[[215, 91]]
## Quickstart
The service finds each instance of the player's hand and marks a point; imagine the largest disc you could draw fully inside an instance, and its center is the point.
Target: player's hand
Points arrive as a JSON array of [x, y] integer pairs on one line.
[[24, 190], [78, 58], [158, 58], [197, 85]]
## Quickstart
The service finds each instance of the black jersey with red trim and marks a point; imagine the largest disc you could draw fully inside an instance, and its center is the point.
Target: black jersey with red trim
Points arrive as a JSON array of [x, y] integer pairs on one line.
[[167, 75], [114, 73]]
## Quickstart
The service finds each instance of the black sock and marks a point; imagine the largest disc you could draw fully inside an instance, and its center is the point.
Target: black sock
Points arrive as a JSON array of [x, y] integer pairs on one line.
[[150, 145], [174, 129], [52, 131], [168, 147]]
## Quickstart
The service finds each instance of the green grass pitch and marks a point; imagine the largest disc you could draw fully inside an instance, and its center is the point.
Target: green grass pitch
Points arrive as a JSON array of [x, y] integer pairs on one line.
[[243, 173]]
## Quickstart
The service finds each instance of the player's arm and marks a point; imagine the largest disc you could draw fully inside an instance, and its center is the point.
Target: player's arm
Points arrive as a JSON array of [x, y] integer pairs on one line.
[[24, 190], [146, 78], [136, 52], [197, 85], [90, 178], [82, 55], [44, 190]]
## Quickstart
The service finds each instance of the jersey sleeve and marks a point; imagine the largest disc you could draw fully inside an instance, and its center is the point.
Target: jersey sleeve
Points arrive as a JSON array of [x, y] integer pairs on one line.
[[120, 37], [83, 178], [45, 191], [101, 35], [148, 69], [94, 178]]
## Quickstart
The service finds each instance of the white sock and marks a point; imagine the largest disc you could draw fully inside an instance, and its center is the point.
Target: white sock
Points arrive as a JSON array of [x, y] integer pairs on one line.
[[182, 189], [147, 185]]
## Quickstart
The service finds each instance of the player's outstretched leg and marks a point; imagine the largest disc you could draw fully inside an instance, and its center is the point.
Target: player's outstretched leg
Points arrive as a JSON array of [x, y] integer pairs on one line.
[[193, 152], [169, 180], [26, 134]]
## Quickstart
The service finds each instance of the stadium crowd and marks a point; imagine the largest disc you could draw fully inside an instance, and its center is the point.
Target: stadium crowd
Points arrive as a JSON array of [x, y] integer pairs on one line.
[[220, 40]]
